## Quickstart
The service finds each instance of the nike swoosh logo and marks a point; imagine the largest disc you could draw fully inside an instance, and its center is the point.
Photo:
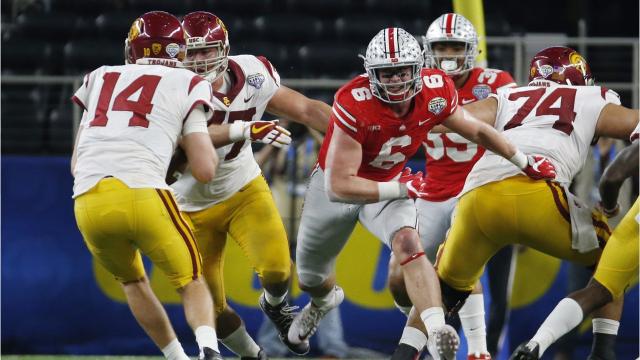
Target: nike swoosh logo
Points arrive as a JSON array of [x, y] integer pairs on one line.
[[249, 98], [537, 164], [467, 101], [256, 130], [420, 123]]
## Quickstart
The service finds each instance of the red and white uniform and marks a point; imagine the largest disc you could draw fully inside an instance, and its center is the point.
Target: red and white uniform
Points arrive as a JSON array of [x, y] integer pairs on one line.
[[557, 122], [449, 156], [133, 117], [387, 142]]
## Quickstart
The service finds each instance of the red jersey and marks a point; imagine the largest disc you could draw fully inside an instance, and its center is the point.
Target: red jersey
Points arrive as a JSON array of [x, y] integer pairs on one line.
[[450, 157], [388, 141]]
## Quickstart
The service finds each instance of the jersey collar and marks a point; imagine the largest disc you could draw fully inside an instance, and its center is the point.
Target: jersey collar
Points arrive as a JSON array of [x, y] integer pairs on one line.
[[238, 77]]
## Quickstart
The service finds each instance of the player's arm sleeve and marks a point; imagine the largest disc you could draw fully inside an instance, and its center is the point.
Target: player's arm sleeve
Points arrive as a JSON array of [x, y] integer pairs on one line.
[[196, 121], [346, 119], [272, 78], [81, 96], [199, 95]]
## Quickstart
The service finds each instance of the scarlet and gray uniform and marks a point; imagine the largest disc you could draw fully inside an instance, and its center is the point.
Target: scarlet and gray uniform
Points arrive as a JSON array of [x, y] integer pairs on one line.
[[387, 143]]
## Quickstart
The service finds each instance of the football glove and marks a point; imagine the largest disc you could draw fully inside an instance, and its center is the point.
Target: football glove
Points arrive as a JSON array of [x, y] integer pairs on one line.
[[266, 132], [414, 183], [539, 168]]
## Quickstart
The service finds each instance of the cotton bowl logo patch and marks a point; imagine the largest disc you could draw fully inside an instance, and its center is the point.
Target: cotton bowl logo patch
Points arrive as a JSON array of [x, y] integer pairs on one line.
[[255, 80], [172, 49], [436, 105], [481, 91], [545, 70]]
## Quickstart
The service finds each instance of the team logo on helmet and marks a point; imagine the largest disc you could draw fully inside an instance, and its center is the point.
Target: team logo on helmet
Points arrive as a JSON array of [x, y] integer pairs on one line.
[[481, 91], [172, 49], [545, 70], [134, 31], [156, 47], [578, 61], [436, 105], [255, 80], [221, 24]]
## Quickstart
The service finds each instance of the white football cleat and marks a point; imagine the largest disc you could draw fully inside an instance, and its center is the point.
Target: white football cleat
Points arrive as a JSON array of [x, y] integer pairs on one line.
[[443, 343], [305, 324]]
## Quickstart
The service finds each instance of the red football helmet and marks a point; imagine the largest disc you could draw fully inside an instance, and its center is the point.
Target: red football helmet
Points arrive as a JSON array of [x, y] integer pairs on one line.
[[157, 35], [205, 32], [561, 65]]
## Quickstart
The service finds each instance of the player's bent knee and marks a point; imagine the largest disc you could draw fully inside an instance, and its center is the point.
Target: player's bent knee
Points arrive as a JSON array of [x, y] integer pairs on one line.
[[406, 242], [309, 280], [275, 276]]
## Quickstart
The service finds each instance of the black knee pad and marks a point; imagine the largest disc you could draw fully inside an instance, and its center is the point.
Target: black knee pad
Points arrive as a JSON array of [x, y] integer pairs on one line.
[[452, 299]]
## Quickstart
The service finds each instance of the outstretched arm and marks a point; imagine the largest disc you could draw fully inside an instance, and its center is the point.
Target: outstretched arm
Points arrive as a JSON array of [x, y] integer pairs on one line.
[[292, 105]]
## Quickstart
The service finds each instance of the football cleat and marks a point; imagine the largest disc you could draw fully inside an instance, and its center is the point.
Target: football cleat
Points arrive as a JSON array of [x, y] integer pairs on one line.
[[209, 354], [306, 322], [479, 356], [443, 343], [526, 351], [281, 316], [262, 355], [405, 352]]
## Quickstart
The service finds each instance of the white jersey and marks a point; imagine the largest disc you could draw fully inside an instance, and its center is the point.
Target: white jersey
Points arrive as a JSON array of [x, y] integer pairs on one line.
[[255, 81], [557, 122], [133, 117]]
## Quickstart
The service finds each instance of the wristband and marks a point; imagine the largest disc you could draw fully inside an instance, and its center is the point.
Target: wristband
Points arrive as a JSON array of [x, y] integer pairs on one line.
[[519, 160], [389, 190], [236, 131]]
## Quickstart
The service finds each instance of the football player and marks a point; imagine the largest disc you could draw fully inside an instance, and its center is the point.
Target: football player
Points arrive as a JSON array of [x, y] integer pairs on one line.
[[616, 269], [238, 202], [378, 121], [451, 45], [557, 116], [123, 147]]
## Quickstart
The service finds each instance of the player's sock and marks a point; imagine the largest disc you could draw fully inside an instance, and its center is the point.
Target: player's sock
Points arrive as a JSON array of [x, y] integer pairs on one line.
[[432, 318], [605, 332], [403, 309], [206, 337], [274, 300], [325, 300], [473, 324], [414, 338], [566, 315], [241, 343], [174, 351]]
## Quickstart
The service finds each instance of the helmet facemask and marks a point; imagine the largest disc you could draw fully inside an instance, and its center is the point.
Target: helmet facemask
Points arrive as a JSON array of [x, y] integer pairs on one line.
[[397, 92], [213, 60]]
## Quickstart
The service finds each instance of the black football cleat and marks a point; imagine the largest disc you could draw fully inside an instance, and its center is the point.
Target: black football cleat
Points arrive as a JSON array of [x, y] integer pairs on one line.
[[282, 316], [405, 352], [210, 354], [261, 356], [526, 351]]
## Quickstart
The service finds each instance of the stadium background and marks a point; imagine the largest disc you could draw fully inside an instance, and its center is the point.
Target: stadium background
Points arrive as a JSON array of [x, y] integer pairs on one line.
[[56, 301]]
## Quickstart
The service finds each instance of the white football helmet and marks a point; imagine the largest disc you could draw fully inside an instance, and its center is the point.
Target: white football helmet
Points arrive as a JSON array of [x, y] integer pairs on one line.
[[394, 48], [451, 28]]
